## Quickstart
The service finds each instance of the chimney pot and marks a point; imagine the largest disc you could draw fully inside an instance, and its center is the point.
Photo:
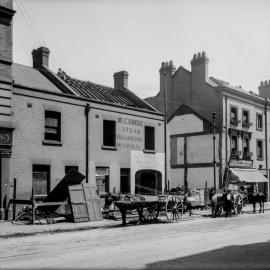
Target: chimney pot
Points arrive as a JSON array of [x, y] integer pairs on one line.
[[121, 79], [40, 57]]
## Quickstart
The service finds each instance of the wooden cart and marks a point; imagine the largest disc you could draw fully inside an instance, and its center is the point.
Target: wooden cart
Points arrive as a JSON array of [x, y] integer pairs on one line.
[[149, 207]]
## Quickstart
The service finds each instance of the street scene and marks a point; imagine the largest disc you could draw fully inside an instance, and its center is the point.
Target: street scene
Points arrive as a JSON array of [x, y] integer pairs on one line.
[[199, 243], [134, 134]]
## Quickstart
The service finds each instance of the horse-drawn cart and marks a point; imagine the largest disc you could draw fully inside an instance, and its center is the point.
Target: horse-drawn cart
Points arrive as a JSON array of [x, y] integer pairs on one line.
[[149, 207]]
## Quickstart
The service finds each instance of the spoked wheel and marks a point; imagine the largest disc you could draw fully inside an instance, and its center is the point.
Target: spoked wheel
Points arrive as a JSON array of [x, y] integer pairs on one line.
[[150, 213], [238, 206], [174, 209]]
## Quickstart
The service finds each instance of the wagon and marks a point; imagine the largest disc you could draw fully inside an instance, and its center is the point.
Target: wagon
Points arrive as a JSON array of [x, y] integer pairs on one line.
[[217, 204], [149, 207]]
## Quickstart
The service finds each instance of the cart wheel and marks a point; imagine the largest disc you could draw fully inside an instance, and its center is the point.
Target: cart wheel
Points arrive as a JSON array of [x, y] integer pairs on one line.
[[238, 206], [174, 209], [150, 213]]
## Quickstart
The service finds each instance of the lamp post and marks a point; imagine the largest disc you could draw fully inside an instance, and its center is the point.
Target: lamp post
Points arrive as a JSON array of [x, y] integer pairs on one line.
[[165, 131], [214, 149]]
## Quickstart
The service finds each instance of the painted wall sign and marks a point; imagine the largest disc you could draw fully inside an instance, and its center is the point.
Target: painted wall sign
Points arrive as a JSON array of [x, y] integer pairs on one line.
[[241, 163], [130, 133], [5, 138]]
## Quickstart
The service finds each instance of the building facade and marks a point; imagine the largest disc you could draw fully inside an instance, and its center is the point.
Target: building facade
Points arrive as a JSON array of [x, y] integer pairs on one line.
[[52, 122], [191, 149], [242, 118]]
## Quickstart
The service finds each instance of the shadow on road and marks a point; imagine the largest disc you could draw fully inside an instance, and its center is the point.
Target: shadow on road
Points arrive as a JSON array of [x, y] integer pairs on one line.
[[253, 256]]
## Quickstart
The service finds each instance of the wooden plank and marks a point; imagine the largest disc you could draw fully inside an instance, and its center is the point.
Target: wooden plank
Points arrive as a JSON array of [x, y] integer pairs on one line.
[[78, 203], [93, 203]]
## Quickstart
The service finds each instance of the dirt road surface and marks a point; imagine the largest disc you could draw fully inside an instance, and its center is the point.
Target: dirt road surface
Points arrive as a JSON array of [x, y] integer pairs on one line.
[[200, 243]]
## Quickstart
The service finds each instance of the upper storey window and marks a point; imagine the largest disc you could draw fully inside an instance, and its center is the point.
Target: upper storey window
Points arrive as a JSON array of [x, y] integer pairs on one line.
[[259, 121], [52, 126], [234, 116]]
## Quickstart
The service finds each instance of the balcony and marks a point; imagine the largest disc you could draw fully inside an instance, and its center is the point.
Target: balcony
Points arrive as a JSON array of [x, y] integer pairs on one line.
[[234, 121], [246, 124], [235, 154], [247, 155]]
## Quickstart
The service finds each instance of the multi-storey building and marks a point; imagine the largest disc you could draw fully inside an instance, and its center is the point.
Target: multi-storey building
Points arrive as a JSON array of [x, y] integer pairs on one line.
[[242, 117], [108, 133]]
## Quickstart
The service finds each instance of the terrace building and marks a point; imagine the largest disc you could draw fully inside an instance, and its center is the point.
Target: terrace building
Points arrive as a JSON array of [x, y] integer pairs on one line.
[[242, 119], [53, 122]]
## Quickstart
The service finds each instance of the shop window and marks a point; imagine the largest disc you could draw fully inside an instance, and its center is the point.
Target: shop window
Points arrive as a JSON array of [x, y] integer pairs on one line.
[[41, 180], [68, 168], [109, 133], [234, 116], [52, 126], [149, 138], [259, 121], [102, 179], [124, 180], [259, 150], [245, 119]]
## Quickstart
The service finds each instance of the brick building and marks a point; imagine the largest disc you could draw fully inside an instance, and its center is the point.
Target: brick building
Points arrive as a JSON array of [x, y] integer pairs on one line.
[[242, 117], [52, 122]]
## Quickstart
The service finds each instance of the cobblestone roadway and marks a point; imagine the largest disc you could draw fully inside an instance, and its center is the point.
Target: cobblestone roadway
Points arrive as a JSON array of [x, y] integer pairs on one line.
[[156, 245]]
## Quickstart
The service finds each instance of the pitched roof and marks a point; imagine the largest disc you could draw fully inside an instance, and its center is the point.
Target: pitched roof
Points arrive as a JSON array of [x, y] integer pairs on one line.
[[103, 93], [32, 78], [185, 109]]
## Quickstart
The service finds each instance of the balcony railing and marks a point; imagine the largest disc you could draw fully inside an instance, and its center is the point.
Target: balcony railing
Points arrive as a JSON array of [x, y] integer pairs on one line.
[[234, 121], [247, 155], [246, 124], [235, 154]]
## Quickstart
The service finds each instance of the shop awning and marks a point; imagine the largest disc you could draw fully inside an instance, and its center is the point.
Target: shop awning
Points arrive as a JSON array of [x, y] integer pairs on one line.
[[248, 175]]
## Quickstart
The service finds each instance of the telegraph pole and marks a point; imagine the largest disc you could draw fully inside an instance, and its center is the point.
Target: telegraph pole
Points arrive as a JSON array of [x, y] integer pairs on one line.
[[214, 149], [165, 130]]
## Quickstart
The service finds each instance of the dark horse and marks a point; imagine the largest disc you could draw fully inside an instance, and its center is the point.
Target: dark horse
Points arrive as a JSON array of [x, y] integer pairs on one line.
[[256, 197]]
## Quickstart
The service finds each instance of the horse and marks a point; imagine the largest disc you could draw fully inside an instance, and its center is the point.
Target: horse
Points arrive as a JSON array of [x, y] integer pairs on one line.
[[256, 197], [222, 201]]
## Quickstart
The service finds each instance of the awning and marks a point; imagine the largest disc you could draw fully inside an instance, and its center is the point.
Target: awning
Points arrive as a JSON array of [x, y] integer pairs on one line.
[[247, 175]]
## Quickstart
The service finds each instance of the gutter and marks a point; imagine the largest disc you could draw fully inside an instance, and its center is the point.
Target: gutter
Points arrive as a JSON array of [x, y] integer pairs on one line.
[[266, 145]]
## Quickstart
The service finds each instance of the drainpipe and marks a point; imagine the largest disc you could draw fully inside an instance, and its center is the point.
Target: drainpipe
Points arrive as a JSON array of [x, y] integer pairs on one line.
[[86, 113], [266, 146], [226, 132]]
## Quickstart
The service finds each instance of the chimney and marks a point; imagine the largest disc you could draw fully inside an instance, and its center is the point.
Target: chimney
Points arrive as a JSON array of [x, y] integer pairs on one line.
[[264, 89], [40, 57], [199, 66], [121, 79], [166, 75]]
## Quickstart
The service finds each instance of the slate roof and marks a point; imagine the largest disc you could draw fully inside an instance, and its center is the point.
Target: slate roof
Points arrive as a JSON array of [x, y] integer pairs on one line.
[[103, 93], [32, 78]]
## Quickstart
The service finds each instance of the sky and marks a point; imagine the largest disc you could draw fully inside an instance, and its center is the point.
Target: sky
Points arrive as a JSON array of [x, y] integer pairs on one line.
[[92, 39]]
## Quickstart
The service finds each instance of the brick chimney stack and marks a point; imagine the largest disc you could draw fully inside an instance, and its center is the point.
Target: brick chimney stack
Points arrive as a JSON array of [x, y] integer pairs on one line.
[[40, 57], [121, 79], [199, 66], [264, 89]]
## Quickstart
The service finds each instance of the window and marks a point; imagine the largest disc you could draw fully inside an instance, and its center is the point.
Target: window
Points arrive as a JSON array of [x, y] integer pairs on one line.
[[102, 179], [109, 133], [52, 126], [259, 150], [68, 168], [234, 116], [246, 153], [41, 180], [259, 121], [149, 138], [234, 143], [245, 118]]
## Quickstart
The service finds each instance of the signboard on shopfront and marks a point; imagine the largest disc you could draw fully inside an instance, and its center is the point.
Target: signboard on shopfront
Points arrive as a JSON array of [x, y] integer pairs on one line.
[[5, 138], [241, 163]]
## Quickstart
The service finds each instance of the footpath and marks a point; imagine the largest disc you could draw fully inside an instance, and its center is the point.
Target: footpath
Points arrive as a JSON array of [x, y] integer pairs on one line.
[[9, 229]]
